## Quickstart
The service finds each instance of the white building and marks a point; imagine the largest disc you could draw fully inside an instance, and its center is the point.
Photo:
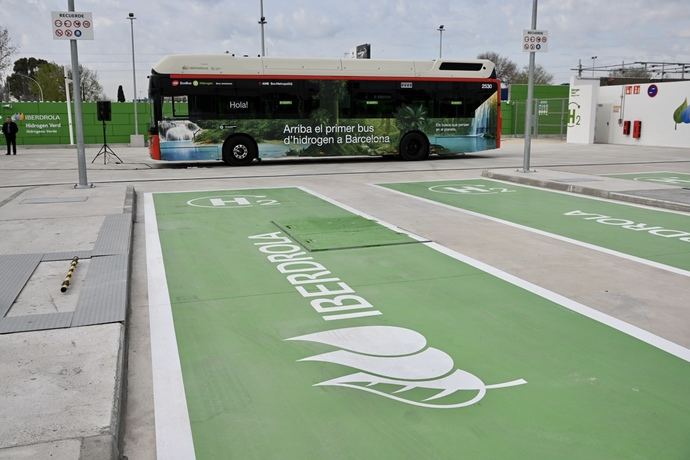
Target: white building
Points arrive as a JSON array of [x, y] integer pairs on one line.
[[611, 114]]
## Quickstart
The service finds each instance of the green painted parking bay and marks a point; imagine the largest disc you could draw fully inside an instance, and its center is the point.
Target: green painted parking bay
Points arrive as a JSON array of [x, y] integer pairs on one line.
[[263, 349], [659, 177], [661, 237]]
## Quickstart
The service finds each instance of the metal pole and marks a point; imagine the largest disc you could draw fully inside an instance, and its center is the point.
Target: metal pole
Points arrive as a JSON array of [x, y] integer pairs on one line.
[[440, 41], [262, 21], [76, 87], [530, 96], [69, 108], [562, 116], [134, 75]]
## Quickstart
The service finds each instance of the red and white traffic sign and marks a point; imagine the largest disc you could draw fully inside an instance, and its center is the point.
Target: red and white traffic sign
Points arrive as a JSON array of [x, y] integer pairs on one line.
[[535, 41], [72, 25]]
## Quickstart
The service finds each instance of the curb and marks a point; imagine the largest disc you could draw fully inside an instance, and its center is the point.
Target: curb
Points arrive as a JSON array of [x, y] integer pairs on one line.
[[579, 189]]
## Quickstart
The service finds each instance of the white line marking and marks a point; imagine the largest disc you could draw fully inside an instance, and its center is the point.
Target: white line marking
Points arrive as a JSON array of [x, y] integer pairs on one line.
[[651, 263], [541, 189], [640, 172], [627, 328], [173, 430]]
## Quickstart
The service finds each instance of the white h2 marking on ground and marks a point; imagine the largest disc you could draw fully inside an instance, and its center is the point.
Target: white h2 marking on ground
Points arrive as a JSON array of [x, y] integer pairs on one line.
[[469, 189]]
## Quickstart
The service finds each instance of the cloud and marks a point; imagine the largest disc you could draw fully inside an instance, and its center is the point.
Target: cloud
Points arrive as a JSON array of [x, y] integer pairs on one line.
[[396, 29]]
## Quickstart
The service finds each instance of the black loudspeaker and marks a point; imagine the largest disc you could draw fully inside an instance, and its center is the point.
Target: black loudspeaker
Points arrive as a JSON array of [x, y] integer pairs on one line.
[[103, 110]]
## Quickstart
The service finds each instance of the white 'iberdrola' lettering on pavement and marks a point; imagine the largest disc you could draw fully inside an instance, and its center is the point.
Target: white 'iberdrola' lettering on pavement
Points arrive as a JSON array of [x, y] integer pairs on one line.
[[329, 295], [632, 225]]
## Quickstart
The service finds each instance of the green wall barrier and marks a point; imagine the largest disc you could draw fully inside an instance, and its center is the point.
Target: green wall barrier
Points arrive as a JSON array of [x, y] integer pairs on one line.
[[44, 123], [550, 110]]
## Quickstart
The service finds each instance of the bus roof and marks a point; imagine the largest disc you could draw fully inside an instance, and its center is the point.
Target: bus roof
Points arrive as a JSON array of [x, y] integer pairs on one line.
[[226, 64]]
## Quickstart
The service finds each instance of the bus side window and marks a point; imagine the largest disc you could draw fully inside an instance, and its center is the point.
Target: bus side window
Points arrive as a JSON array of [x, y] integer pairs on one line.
[[421, 95], [282, 105], [202, 106], [174, 106]]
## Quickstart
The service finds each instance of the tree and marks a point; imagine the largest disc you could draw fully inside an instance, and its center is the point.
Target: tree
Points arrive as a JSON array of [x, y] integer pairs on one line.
[[21, 87], [6, 50], [541, 76], [506, 70], [51, 77], [120, 94], [91, 89]]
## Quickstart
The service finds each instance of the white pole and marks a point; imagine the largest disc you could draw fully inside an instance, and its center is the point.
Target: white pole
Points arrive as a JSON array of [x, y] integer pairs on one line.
[[440, 41], [76, 87], [530, 97], [263, 23], [134, 75], [69, 108]]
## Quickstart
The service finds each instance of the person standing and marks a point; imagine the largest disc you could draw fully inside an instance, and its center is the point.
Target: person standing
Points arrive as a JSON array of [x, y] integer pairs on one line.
[[10, 130]]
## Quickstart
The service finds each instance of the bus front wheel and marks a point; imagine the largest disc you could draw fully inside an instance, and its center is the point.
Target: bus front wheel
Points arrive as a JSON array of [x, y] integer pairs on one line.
[[239, 150], [414, 147]]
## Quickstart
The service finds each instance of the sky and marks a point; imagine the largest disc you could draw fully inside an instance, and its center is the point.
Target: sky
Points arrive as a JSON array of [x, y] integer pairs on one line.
[[614, 31]]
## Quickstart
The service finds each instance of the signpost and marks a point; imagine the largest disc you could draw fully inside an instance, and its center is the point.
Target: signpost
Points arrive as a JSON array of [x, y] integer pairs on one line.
[[72, 25], [536, 41], [533, 41]]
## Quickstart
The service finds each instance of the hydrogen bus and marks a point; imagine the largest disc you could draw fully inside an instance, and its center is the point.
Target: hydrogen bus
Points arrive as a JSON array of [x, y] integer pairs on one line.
[[238, 109]]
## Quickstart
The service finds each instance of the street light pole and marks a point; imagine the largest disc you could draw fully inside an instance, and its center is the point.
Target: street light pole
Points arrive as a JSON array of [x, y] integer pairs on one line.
[[440, 41], [594, 60], [69, 108], [262, 21], [134, 75], [33, 80]]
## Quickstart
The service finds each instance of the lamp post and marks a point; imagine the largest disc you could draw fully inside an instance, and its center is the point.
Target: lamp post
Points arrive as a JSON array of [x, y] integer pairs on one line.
[[440, 40], [33, 80], [594, 60], [262, 21], [134, 75]]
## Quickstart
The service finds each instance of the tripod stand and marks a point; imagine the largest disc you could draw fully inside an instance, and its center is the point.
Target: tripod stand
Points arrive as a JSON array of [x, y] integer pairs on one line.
[[106, 150]]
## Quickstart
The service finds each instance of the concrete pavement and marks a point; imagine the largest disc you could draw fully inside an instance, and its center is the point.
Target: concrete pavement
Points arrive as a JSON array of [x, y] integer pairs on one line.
[[62, 391], [62, 375]]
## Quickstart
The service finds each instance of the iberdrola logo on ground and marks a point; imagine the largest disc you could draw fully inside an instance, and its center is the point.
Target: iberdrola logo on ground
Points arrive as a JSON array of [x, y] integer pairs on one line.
[[682, 113], [395, 363]]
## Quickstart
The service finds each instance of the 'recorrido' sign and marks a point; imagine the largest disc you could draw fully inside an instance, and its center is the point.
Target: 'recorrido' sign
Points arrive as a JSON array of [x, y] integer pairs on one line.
[[72, 25], [535, 41]]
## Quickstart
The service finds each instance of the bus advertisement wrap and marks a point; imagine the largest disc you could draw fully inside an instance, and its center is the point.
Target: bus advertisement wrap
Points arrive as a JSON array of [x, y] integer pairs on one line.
[[236, 118], [203, 139]]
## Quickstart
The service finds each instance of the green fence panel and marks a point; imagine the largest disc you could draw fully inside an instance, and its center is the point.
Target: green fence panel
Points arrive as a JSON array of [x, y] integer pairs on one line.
[[44, 123]]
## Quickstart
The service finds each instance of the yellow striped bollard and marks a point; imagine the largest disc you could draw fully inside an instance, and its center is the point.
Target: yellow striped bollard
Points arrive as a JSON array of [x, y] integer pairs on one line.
[[68, 277]]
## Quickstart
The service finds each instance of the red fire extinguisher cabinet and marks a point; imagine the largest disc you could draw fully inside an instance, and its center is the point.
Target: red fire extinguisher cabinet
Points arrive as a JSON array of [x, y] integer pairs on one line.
[[637, 129]]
